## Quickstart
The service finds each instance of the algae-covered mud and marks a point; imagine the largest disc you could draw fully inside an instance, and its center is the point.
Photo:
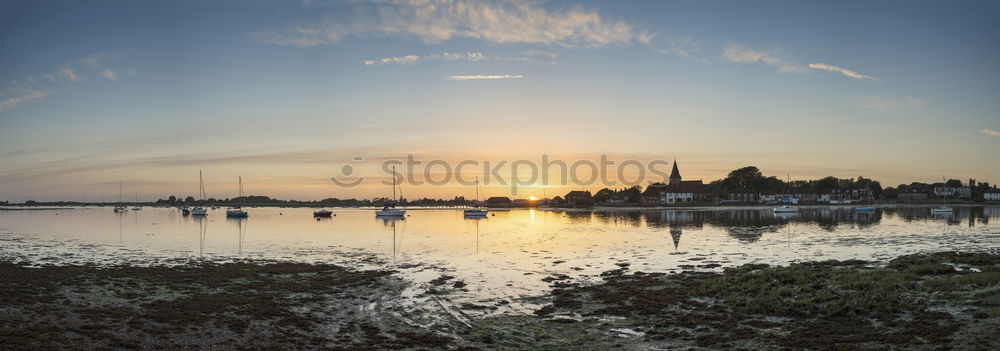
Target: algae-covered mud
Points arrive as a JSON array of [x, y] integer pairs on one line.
[[944, 300]]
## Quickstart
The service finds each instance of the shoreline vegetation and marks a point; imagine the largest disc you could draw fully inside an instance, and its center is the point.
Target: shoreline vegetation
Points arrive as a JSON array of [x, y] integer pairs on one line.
[[943, 300], [743, 186]]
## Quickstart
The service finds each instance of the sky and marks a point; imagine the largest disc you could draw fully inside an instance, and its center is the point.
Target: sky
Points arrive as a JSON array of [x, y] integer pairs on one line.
[[285, 94]]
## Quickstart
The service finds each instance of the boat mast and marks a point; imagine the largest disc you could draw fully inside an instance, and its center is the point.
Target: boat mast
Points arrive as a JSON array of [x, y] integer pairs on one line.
[[201, 187], [241, 191], [393, 184]]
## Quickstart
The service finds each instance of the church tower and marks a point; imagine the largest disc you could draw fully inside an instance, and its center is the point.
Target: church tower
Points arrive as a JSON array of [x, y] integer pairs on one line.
[[675, 175]]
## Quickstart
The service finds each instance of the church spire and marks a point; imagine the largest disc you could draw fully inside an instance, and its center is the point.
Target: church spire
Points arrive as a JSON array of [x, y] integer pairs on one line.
[[675, 175]]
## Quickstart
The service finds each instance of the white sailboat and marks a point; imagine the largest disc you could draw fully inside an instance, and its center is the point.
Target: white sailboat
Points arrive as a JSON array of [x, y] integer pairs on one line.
[[137, 207], [237, 211], [942, 209], [390, 209], [476, 211], [786, 209], [120, 208], [200, 211]]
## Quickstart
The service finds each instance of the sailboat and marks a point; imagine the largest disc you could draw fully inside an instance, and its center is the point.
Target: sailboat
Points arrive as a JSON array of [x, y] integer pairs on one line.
[[476, 211], [942, 209], [237, 211], [786, 209], [200, 211], [137, 207], [121, 207], [390, 209]]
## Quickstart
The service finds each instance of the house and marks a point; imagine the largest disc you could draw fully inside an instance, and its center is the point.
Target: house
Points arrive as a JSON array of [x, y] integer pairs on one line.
[[911, 196], [942, 190], [742, 196], [992, 195], [579, 198], [677, 191], [499, 201], [914, 192]]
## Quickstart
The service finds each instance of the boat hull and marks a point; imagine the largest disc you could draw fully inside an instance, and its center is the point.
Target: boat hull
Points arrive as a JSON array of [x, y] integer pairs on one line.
[[475, 213], [237, 214], [199, 212], [390, 213], [322, 214], [786, 210]]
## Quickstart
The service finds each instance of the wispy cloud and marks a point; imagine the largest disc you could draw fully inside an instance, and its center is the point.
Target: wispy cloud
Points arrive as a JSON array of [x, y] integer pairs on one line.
[[110, 74], [889, 104], [530, 55], [68, 73], [680, 46], [31, 88], [741, 54], [841, 70], [401, 60], [412, 59], [14, 96], [433, 21], [504, 76], [990, 132]]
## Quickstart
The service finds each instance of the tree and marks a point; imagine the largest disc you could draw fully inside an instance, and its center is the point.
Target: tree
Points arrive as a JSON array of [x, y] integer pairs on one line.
[[890, 193], [953, 183], [743, 178], [827, 184]]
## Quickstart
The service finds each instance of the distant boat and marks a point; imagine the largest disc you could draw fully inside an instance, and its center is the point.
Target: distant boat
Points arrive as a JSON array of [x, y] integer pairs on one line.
[[786, 209], [120, 208], [942, 209], [200, 211], [476, 211], [237, 211], [390, 209], [323, 213], [185, 211], [137, 207]]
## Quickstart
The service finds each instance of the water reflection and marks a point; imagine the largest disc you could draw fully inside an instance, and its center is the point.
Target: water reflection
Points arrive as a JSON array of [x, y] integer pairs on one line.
[[397, 239], [241, 228]]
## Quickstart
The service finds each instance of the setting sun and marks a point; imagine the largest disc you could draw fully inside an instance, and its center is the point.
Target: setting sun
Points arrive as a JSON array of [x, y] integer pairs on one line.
[[532, 198]]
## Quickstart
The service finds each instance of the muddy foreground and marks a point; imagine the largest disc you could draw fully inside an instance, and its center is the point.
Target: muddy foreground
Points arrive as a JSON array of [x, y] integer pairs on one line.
[[930, 301]]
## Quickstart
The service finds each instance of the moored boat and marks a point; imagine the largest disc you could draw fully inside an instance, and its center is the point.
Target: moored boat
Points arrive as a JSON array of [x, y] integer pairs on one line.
[[390, 209], [323, 213], [200, 211], [942, 209], [786, 209], [476, 211], [237, 211]]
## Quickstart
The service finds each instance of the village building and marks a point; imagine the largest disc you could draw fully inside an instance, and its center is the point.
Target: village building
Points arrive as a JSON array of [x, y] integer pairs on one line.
[[992, 195], [942, 190], [677, 191]]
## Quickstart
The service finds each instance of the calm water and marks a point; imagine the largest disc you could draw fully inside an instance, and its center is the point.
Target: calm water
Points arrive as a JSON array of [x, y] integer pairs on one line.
[[504, 255]]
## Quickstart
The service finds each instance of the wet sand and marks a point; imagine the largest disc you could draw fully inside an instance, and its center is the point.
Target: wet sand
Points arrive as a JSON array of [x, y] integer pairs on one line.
[[926, 301]]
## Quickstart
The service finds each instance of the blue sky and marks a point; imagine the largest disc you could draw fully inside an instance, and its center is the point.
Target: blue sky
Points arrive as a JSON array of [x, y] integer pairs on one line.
[[284, 93]]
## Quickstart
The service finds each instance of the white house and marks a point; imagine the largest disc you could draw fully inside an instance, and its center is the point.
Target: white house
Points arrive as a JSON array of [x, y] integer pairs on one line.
[[992, 195]]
